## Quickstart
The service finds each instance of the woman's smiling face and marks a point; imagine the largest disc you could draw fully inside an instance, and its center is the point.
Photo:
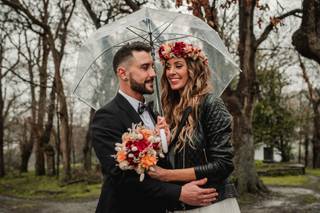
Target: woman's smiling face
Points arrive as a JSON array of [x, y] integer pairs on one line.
[[177, 73]]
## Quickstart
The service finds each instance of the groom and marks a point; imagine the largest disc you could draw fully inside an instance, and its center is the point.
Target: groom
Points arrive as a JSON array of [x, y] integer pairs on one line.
[[122, 192]]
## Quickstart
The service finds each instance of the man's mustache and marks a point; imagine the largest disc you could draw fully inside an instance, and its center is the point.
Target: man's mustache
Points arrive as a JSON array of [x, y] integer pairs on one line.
[[149, 80]]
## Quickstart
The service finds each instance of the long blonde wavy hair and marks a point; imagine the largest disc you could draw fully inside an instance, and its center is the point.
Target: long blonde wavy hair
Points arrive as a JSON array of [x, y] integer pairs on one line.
[[174, 103]]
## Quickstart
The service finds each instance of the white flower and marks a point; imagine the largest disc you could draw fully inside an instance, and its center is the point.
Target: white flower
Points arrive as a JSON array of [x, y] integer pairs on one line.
[[151, 139], [130, 155], [118, 149], [124, 164], [139, 170], [140, 136], [158, 139], [134, 148], [141, 177]]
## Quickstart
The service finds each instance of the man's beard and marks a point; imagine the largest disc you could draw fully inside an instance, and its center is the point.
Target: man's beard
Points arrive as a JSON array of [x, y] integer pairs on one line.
[[140, 88]]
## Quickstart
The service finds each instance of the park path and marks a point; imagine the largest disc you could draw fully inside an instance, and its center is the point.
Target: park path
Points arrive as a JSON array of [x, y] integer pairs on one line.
[[15, 205], [281, 200], [289, 199]]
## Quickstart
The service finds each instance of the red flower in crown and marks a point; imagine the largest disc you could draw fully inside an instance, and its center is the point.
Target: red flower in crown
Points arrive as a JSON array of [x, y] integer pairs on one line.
[[180, 49]]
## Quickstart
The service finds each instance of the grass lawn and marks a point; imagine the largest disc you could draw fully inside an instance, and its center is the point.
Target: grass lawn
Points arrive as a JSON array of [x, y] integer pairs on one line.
[[300, 180], [42, 187], [314, 172]]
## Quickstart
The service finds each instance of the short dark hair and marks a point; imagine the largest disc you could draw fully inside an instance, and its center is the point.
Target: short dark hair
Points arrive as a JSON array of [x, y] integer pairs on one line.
[[125, 52]]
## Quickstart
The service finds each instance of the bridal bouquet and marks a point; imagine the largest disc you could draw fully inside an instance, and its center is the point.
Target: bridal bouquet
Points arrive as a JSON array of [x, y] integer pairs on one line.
[[139, 150]]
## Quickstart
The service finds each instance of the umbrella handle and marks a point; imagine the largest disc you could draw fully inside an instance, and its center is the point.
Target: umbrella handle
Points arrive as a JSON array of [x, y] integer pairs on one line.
[[164, 142]]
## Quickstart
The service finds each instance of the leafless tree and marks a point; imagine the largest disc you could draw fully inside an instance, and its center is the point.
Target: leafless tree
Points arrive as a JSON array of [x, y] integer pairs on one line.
[[53, 25], [5, 102], [307, 42], [314, 98]]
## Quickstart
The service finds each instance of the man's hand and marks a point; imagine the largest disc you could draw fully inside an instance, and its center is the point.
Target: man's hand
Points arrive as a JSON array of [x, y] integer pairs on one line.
[[193, 195]]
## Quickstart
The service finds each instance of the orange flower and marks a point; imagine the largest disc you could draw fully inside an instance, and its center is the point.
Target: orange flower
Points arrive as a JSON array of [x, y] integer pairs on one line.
[[146, 133], [148, 161], [121, 156]]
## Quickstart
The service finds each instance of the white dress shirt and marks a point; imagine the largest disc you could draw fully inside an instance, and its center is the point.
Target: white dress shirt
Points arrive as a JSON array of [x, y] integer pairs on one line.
[[145, 116]]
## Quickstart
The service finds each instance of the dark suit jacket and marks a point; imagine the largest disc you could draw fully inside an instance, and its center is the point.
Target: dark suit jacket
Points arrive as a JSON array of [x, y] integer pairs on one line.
[[122, 192]]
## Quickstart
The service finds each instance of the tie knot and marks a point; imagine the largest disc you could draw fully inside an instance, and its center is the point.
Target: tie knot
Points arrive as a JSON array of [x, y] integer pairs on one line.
[[142, 107]]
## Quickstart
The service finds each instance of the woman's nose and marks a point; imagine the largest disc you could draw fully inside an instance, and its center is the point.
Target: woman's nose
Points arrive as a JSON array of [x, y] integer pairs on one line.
[[171, 71]]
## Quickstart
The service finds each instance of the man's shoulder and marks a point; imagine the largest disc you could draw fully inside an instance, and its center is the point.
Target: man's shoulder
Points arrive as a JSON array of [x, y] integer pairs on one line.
[[110, 109], [110, 106]]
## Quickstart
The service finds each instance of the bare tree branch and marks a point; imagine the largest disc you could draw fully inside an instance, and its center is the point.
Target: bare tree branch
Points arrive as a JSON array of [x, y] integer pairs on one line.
[[306, 78], [271, 26], [92, 14], [22, 10], [28, 81], [133, 5]]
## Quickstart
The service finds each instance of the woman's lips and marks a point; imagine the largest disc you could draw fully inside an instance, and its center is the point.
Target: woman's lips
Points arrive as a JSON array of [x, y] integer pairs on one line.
[[174, 80]]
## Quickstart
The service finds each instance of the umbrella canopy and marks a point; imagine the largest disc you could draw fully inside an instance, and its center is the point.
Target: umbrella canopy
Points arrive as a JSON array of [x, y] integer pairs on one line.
[[95, 81]]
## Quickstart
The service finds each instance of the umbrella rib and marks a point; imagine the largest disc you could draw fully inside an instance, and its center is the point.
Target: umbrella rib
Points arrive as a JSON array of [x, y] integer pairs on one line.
[[170, 23], [161, 41], [136, 34], [138, 29], [76, 87]]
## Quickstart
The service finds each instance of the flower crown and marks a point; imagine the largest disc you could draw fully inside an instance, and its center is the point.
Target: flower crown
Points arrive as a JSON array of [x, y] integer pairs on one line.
[[181, 49]]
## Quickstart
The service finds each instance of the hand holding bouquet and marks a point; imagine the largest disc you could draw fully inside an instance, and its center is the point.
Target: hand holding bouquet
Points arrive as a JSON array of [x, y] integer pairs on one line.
[[139, 150]]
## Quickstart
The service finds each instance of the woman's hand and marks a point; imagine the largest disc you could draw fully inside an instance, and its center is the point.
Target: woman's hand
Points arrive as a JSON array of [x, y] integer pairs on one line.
[[159, 173], [162, 124]]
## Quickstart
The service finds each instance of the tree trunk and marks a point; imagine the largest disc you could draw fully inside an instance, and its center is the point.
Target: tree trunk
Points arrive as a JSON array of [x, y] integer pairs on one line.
[[2, 171], [45, 137], [42, 138], [87, 149], [65, 143], [39, 154], [306, 150], [26, 145], [307, 38], [49, 150], [316, 137], [26, 151], [247, 177], [313, 96]]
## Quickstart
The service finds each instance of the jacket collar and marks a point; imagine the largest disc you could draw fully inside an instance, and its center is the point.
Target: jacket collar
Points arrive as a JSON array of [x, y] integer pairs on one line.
[[123, 103]]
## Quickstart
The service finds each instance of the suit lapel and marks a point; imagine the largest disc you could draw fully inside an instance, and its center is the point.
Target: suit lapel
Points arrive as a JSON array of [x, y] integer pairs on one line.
[[153, 114], [125, 106]]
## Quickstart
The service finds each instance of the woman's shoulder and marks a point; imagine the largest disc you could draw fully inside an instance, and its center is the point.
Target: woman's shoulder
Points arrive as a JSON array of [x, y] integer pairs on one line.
[[214, 106], [211, 100]]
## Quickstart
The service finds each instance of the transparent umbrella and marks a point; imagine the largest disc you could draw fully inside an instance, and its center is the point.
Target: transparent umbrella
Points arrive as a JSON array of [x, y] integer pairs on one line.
[[95, 81]]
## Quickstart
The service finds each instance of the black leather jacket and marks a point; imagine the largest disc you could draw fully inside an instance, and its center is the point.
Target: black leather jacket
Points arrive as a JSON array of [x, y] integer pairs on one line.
[[212, 155]]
